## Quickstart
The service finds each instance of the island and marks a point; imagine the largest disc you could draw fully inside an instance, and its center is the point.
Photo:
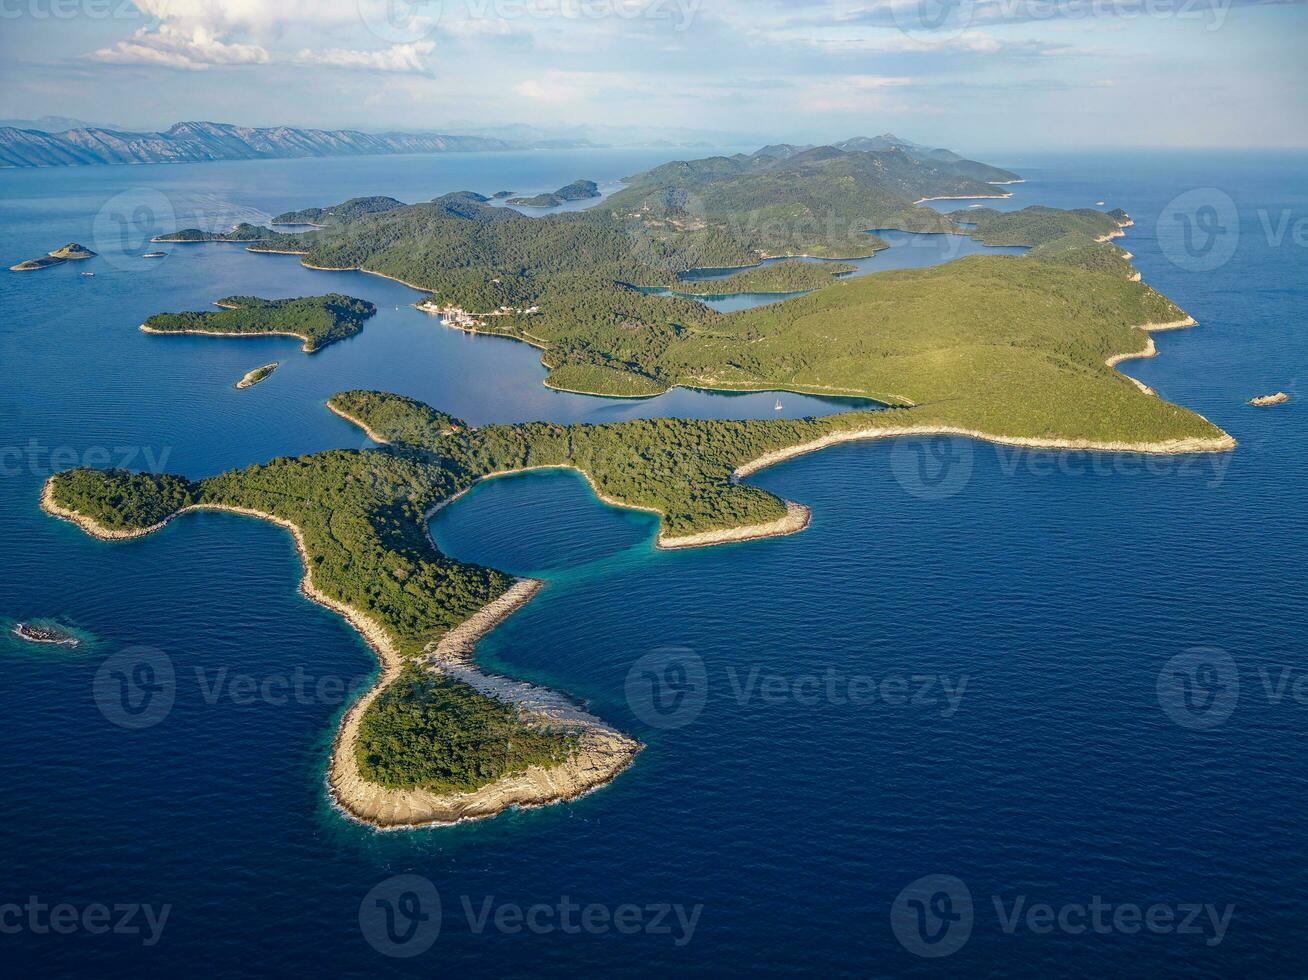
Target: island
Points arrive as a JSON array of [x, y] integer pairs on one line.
[[1263, 401], [243, 232], [1020, 350], [54, 635], [70, 252], [578, 190], [316, 320], [501, 195], [252, 378]]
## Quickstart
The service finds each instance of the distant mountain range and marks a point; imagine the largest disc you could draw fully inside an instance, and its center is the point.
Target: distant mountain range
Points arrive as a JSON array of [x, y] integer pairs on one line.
[[56, 141], [56, 124], [187, 142]]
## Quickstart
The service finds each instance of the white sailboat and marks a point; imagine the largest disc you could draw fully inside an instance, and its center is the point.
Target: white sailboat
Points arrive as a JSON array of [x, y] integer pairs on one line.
[[777, 406]]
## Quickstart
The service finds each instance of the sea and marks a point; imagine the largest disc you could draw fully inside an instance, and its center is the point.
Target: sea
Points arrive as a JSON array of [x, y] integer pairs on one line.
[[996, 712]]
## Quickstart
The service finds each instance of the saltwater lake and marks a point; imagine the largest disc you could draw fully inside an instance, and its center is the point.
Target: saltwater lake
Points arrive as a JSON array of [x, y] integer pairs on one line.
[[956, 671]]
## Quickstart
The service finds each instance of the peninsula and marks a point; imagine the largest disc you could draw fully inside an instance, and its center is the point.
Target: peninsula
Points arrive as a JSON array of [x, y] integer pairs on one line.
[[578, 190], [316, 320], [359, 519], [242, 232]]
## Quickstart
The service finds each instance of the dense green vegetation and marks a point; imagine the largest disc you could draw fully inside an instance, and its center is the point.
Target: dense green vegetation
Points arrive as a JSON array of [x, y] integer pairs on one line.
[[241, 233], [1013, 347], [1039, 225], [791, 276], [590, 276], [362, 514], [537, 201], [578, 190], [121, 500], [317, 320], [431, 731], [348, 211], [601, 380]]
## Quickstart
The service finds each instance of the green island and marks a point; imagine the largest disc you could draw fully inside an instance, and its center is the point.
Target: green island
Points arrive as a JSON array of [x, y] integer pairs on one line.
[[351, 210], [584, 286], [70, 252], [578, 190], [1012, 349], [242, 232], [316, 320], [252, 378]]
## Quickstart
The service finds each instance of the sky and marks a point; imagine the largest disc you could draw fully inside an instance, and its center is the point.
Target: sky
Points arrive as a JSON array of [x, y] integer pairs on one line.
[[974, 74]]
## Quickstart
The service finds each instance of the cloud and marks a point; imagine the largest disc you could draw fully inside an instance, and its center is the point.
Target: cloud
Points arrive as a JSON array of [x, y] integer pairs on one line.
[[401, 58], [265, 17], [194, 35], [923, 19], [966, 42], [558, 86], [177, 48], [850, 93]]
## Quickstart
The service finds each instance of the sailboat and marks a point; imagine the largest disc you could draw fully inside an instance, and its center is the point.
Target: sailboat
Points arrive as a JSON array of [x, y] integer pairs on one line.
[[777, 406]]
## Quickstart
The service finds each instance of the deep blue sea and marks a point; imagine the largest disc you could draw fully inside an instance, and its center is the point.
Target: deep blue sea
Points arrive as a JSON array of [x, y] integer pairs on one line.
[[1044, 713]]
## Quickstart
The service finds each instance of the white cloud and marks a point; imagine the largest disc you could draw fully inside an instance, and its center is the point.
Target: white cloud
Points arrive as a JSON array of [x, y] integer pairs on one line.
[[403, 58], [198, 34], [174, 47], [557, 86], [850, 93], [258, 16]]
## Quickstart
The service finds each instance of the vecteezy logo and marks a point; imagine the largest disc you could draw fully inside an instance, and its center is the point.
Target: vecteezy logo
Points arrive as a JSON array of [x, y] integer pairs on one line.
[[932, 469], [401, 916], [1199, 230], [932, 917], [401, 21], [668, 688], [1200, 688], [135, 688], [125, 224], [933, 20]]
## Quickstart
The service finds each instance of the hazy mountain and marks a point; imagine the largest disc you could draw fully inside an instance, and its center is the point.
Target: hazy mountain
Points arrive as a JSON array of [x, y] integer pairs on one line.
[[55, 124], [632, 136], [926, 154], [195, 141]]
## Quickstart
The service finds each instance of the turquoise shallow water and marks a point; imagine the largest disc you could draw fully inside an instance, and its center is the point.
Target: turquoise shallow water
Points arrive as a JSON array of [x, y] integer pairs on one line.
[[1048, 592]]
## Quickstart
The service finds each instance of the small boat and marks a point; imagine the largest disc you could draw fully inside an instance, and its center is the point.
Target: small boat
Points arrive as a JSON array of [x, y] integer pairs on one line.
[[88, 273], [777, 406], [1099, 204]]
